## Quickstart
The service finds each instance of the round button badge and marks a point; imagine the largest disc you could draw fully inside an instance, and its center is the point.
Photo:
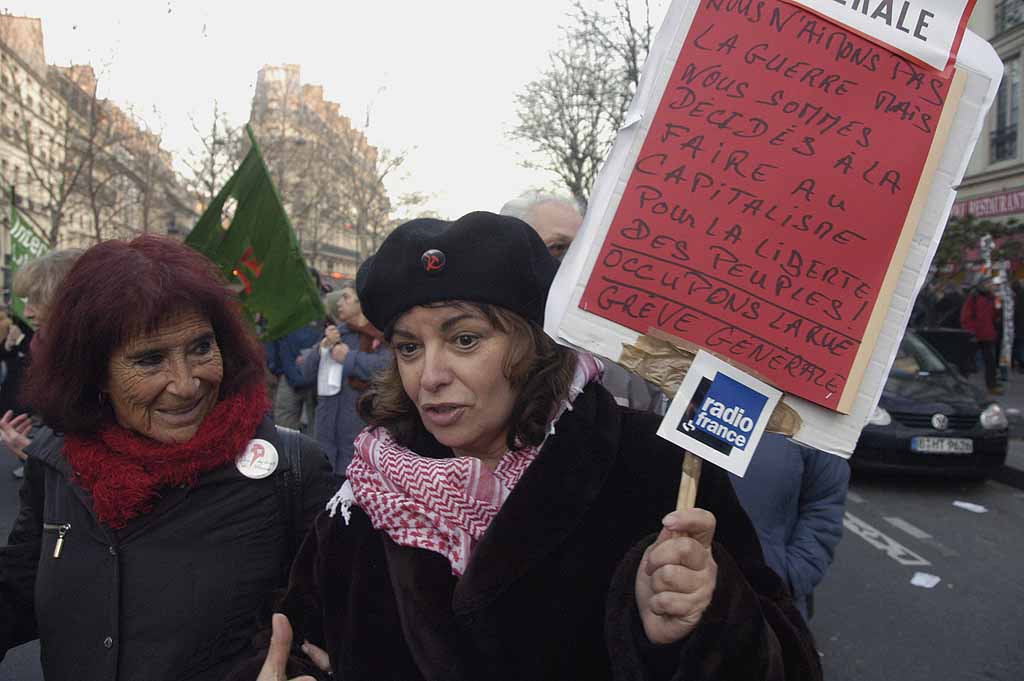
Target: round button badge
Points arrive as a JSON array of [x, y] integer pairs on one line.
[[433, 261], [258, 460]]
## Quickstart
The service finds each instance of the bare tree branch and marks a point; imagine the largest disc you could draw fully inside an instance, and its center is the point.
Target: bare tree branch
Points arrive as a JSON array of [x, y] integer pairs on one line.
[[571, 113], [213, 160]]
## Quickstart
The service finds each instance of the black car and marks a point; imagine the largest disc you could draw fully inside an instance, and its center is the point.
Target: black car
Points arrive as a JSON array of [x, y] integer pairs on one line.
[[931, 419]]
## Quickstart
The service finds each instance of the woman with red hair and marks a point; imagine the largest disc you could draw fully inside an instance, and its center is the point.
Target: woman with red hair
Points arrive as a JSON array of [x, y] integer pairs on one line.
[[161, 507]]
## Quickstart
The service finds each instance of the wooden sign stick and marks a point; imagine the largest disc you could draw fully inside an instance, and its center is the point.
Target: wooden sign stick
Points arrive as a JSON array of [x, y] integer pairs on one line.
[[689, 481]]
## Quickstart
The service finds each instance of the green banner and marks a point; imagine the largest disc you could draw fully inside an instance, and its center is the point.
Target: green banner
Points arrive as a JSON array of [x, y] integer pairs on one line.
[[254, 245], [26, 245]]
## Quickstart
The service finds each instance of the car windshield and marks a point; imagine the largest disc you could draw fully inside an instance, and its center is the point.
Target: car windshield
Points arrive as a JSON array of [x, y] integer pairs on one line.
[[915, 357]]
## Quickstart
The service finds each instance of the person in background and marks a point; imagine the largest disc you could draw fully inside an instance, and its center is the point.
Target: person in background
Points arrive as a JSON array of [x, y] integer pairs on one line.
[[37, 282], [504, 518], [796, 498], [160, 507], [294, 395], [978, 316], [557, 220], [15, 338], [924, 312], [947, 309], [341, 365]]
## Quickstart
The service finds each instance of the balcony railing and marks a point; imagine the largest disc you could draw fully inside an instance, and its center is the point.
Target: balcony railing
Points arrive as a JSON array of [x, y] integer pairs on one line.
[[1009, 13], [1003, 143]]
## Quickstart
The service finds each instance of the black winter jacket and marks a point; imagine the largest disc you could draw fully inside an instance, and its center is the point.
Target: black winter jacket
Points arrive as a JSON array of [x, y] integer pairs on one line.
[[175, 595], [548, 591]]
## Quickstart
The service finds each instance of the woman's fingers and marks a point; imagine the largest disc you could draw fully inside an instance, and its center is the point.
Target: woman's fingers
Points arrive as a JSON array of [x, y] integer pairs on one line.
[[677, 576], [14, 432], [22, 423], [318, 656], [276, 662], [277, 655], [695, 522], [11, 423], [670, 604], [678, 551]]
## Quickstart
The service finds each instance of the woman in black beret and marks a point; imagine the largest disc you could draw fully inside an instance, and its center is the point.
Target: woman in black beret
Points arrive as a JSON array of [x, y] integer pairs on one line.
[[504, 518]]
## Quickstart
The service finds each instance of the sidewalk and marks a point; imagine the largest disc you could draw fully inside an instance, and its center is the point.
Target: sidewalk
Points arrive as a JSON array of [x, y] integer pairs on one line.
[[1012, 401]]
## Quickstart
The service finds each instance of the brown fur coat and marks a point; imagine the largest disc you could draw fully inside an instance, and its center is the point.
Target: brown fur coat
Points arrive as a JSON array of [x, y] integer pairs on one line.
[[548, 593]]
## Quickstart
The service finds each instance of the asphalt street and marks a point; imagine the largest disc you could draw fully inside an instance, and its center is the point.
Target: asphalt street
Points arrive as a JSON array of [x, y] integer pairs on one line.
[[872, 622]]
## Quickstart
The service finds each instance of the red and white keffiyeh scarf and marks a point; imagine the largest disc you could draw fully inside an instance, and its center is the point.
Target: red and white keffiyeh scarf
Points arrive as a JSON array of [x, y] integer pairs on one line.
[[442, 505]]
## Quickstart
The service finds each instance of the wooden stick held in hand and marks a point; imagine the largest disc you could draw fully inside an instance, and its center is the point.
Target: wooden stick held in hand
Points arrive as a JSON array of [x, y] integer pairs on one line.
[[688, 483]]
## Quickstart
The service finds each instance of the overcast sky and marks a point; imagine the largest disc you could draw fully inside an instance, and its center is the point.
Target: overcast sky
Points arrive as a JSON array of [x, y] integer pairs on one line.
[[438, 77]]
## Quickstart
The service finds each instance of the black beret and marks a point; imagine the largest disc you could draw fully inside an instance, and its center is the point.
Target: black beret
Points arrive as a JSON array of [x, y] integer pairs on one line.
[[481, 257]]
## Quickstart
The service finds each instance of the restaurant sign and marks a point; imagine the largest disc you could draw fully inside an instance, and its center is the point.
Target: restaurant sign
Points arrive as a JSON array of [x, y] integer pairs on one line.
[[991, 206]]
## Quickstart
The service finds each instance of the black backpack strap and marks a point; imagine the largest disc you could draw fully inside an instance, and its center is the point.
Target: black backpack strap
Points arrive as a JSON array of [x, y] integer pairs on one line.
[[289, 490]]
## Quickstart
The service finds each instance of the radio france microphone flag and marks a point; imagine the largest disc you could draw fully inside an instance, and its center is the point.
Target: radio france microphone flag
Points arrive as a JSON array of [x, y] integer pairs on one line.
[[719, 413]]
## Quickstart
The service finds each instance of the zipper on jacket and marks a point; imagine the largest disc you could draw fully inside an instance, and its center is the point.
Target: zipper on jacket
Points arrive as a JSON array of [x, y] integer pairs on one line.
[[62, 531]]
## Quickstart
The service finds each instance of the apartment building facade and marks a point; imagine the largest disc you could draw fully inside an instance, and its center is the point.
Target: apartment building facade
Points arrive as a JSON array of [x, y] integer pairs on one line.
[[78, 167], [324, 169]]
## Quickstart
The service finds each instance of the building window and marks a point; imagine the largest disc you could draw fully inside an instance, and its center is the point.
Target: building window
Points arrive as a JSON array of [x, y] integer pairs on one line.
[[1003, 142], [1009, 13]]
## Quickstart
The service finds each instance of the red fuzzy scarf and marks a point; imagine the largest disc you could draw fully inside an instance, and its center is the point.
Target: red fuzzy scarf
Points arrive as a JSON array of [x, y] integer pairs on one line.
[[124, 471]]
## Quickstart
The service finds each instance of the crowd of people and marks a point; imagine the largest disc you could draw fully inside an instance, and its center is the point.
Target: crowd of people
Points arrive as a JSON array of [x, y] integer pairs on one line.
[[423, 485], [981, 309]]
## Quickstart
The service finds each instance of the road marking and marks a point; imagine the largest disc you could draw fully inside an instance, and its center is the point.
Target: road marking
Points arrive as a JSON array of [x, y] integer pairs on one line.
[[912, 530], [892, 548], [922, 536], [854, 497]]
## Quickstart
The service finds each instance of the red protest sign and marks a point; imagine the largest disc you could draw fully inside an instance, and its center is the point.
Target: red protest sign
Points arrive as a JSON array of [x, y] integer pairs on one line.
[[764, 210]]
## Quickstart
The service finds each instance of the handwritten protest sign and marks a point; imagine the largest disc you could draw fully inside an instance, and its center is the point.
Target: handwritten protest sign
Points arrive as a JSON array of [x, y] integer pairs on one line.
[[763, 212], [775, 198]]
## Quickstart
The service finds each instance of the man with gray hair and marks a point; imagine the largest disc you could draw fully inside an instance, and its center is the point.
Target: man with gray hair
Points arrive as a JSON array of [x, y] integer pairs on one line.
[[557, 220]]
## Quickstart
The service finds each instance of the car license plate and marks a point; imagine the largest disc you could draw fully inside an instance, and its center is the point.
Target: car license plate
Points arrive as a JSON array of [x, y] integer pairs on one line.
[[942, 445]]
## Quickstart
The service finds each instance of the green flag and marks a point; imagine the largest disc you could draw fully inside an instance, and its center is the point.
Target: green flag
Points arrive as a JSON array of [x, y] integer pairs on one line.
[[256, 248], [26, 245]]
